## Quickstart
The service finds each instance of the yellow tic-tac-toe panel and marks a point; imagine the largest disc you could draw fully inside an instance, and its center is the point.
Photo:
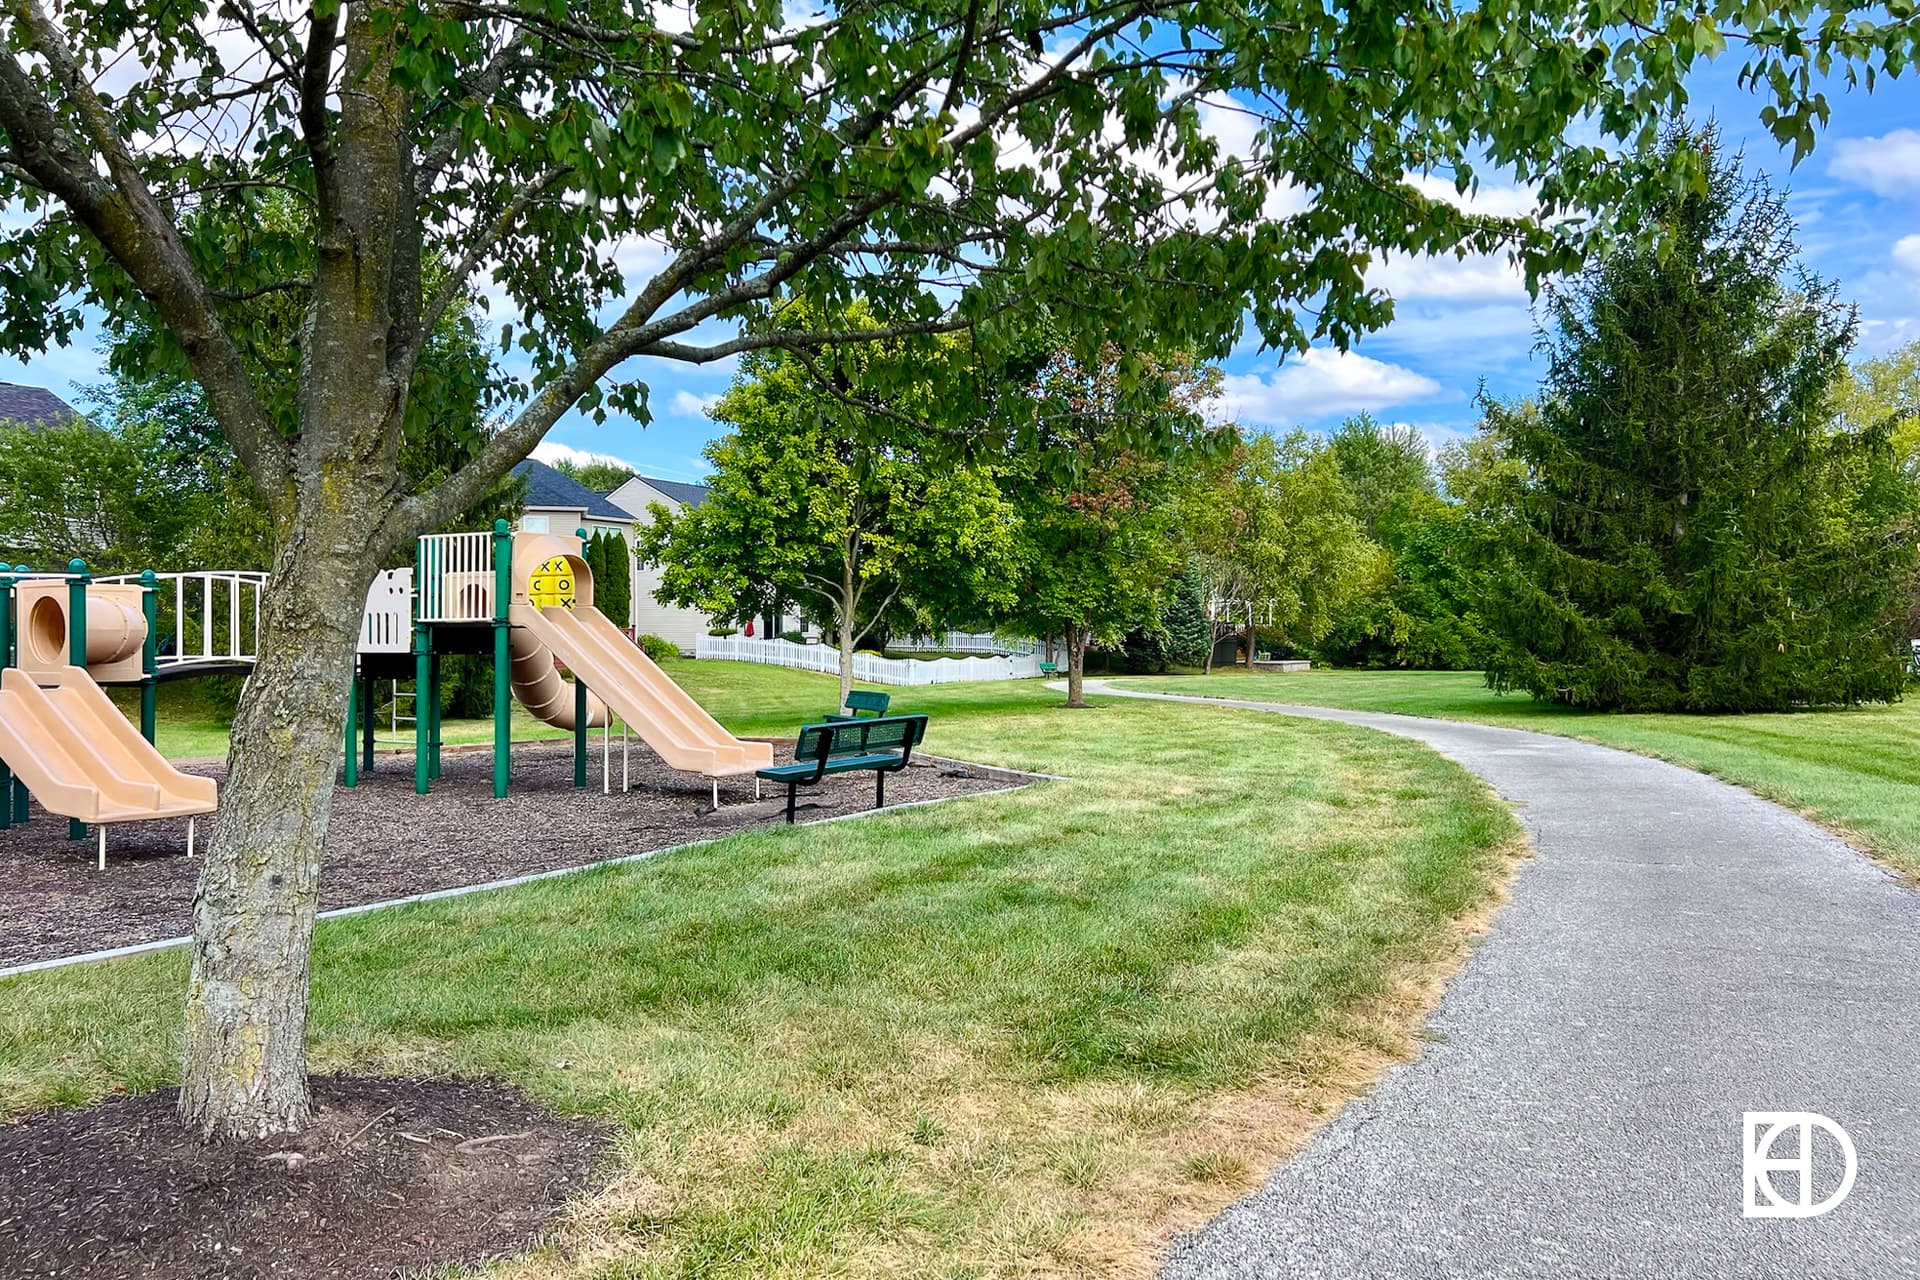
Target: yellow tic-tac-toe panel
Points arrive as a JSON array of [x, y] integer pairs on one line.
[[551, 584]]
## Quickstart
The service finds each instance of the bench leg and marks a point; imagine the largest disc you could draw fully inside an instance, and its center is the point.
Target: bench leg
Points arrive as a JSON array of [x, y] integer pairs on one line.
[[793, 791], [879, 788]]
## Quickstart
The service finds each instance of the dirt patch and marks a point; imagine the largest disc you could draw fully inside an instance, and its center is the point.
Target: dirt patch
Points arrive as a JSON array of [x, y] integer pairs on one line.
[[386, 842], [395, 1176]]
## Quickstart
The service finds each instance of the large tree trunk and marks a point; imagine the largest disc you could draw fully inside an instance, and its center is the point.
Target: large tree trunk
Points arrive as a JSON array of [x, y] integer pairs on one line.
[[245, 1067], [1076, 665]]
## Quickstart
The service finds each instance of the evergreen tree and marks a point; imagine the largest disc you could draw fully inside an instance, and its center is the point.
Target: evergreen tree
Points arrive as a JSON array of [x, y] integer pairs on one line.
[[1689, 526], [1189, 634]]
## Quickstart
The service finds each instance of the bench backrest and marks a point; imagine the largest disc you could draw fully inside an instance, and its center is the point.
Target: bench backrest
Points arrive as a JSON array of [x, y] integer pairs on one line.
[[871, 702], [897, 735]]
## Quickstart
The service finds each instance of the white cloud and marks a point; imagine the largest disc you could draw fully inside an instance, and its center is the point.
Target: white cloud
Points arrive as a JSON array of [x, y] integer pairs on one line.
[[1887, 165], [1906, 253], [1476, 277], [1494, 199], [552, 452], [685, 404], [1317, 384]]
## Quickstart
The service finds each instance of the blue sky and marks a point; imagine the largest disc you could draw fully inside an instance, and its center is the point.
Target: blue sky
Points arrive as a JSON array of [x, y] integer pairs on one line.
[[1856, 199]]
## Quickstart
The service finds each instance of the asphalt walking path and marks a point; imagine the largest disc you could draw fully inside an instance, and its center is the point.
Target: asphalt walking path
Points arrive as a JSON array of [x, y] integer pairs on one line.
[[1677, 953]]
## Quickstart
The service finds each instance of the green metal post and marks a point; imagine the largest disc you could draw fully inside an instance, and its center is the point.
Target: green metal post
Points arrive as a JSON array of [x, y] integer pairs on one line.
[[150, 655], [433, 711], [502, 659], [580, 694], [6, 652], [20, 794], [422, 688], [369, 710], [77, 646], [350, 767]]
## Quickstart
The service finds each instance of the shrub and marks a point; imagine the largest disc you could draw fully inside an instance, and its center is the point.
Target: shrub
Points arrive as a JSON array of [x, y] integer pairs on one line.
[[659, 648], [794, 637]]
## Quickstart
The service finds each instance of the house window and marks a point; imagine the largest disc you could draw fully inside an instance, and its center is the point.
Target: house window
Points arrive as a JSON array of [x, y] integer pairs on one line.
[[533, 524]]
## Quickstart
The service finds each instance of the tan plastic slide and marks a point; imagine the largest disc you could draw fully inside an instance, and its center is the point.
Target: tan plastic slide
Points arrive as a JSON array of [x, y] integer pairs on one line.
[[537, 683], [664, 715], [81, 758]]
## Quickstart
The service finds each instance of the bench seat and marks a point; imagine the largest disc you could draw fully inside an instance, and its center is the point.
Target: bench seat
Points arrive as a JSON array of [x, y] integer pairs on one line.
[[883, 745]]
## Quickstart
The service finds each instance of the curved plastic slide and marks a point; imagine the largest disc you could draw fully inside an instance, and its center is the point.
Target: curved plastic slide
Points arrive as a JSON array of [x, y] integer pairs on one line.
[[81, 758], [664, 715], [537, 683]]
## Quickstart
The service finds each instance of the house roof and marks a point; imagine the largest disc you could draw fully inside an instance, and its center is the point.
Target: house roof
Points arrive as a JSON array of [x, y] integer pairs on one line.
[[549, 488], [687, 495], [34, 407]]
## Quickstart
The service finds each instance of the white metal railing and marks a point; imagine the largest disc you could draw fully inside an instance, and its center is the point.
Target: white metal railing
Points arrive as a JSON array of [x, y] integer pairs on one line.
[[456, 577], [963, 642], [866, 666], [211, 616], [387, 624]]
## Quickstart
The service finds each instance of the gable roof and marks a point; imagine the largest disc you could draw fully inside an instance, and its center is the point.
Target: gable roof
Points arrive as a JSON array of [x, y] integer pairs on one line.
[[547, 487], [34, 407], [687, 495]]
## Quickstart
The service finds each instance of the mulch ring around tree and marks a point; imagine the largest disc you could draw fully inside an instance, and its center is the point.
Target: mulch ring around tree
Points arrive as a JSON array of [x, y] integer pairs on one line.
[[385, 842], [395, 1176]]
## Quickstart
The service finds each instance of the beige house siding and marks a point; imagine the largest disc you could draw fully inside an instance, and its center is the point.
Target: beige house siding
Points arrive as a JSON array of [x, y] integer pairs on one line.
[[650, 617]]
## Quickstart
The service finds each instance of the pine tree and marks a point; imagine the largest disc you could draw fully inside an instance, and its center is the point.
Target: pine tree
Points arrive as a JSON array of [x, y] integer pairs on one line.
[[1689, 526], [1189, 634]]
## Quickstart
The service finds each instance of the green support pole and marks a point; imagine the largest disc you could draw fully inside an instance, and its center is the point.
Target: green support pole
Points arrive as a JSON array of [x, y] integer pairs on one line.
[[433, 711], [150, 655], [580, 696], [20, 794], [77, 646], [369, 714], [502, 659], [422, 686], [6, 654], [350, 766]]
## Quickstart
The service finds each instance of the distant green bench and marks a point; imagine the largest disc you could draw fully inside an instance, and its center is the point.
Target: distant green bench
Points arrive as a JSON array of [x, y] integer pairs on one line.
[[884, 745], [861, 702], [1049, 668]]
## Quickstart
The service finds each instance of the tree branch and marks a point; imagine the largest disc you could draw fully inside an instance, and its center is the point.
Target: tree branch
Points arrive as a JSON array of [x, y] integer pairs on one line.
[[130, 224]]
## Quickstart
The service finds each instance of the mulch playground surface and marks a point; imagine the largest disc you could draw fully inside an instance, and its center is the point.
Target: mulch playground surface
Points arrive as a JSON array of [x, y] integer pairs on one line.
[[394, 1177], [386, 842]]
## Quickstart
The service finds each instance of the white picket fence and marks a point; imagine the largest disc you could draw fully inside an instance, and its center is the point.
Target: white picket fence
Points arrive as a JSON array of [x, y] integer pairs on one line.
[[969, 642], [866, 666]]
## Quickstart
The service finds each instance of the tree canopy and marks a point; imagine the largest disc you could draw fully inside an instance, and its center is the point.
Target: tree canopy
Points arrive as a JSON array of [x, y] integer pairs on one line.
[[862, 524]]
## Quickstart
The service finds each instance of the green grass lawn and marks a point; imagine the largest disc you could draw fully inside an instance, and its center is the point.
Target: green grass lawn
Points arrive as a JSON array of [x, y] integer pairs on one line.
[[1857, 771], [1015, 1034]]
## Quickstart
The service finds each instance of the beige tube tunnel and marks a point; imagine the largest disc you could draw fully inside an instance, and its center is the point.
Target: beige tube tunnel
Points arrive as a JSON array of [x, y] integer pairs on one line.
[[116, 630]]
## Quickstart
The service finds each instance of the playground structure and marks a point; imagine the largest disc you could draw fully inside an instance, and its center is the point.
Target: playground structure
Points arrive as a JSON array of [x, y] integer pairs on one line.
[[524, 598]]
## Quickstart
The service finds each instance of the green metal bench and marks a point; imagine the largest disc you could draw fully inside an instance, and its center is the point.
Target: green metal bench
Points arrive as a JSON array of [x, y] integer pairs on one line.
[[861, 702], [884, 745]]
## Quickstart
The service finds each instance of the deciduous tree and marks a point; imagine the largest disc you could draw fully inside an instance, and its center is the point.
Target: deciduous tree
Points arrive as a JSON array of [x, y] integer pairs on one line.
[[811, 501], [1277, 542], [1103, 448]]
